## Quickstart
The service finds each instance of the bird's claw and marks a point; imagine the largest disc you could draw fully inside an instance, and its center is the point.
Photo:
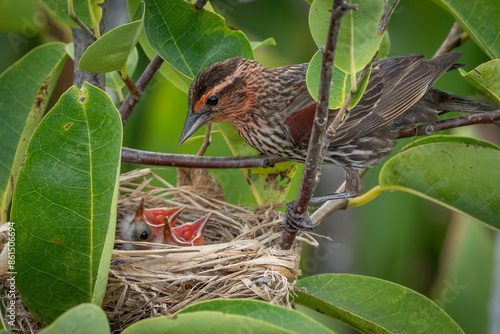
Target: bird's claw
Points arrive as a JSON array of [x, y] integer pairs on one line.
[[296, 221]]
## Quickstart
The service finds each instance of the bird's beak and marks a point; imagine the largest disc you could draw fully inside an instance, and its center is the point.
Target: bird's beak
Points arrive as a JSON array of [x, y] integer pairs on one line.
[[193, 123]]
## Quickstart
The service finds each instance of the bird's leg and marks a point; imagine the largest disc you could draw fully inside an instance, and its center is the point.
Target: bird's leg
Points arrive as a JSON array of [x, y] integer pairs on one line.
[[353, 187], [298, 221]]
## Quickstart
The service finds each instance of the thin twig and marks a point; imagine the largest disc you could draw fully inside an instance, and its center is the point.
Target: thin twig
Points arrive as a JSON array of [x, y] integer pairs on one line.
[[206, 140], [451, 41], [199, 4], [132, 88], [139, 157], [384, 20], [72, 15], [132, 99], [429, 129], [314, 160]]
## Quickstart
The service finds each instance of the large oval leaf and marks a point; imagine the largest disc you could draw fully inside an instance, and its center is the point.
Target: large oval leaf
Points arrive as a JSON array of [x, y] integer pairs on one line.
[[277, 315], [481, 20], [485, 77], [206, 322], [456, 172], [25, 89], [111, 51], [358, 37], [190, 39], [64, 205], [372, 305], [81, 319]]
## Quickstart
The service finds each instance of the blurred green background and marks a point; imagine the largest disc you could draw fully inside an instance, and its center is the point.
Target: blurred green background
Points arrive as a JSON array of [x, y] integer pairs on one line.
[[397, 237]]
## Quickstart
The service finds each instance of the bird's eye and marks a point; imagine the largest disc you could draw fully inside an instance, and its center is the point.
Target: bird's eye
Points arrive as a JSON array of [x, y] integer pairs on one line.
[[212, 100], [144, 235]]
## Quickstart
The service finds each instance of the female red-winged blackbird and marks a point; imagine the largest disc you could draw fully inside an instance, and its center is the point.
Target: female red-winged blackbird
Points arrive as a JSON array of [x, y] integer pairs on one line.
[[273, 111]]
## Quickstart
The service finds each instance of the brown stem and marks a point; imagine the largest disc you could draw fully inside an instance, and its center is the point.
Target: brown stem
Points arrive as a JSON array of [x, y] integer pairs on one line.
[[206, 140], [132, 88], [428, 129], [84, 27], [451, 41], [199, 4], [138, 157], [314, 160], [132, 99]]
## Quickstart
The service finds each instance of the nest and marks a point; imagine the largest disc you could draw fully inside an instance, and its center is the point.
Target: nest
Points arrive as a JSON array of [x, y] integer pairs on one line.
[[239, 260]]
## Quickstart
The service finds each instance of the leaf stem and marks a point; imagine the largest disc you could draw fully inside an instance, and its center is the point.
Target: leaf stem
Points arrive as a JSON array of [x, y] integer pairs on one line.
[[365, 198]]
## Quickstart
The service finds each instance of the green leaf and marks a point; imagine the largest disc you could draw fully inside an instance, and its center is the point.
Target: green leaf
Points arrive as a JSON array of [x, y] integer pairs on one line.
[[277, 315], [358, 40], [372, 305], [340, 87], [25, 89], [206, 322], [114, 81], [190, 39], [88, 11], [455, 172], [259, 45], [268, 185], [385, 46], [81, 319], [64, 205], [480, 19], [485, 77], [111, 51]]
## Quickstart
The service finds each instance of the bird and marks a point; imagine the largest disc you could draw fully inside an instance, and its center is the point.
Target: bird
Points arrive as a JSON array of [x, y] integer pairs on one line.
[[273, 111], [188, 234], [147, 225], [158, 226]]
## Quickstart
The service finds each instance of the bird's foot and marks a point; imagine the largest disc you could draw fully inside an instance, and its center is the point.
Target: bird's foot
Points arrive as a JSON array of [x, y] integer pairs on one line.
[[296, 221], [324, 198]]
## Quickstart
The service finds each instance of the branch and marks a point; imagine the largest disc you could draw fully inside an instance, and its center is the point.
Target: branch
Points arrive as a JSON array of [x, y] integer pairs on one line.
[[314, 159], [199, 4], [72, 15], [138, 157], [429, 129], [451, 41], [206, 140], [132, 99]]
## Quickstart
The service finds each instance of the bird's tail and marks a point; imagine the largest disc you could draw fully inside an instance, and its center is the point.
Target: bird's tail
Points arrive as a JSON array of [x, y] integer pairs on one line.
[[444, 102]]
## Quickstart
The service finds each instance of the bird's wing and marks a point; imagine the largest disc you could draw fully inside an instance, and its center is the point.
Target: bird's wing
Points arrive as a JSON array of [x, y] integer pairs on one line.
[[395, 85]]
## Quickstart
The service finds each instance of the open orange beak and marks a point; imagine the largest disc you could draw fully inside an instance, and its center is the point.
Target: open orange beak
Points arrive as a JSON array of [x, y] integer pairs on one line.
[[189, 234]]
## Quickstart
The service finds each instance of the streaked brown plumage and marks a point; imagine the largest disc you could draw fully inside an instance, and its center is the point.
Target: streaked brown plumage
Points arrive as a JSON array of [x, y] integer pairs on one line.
[[273, 111]]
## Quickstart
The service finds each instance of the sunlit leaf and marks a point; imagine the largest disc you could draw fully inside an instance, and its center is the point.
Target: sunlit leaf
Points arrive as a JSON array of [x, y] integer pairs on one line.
[[485, 77], [111, 51], [206, 322], [25, 89], [209, 39], [358, 37], [81, 319], [259, 45], [88, 11], [480, 19], [455, 172], [277, 315], [64, 205], [372, 305]]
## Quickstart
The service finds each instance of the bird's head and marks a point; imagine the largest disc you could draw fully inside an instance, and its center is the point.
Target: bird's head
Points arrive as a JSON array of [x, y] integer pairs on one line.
[[220, 93]]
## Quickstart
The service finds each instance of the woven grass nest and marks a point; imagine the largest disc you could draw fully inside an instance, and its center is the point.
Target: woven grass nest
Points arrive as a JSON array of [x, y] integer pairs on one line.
[[240, 258]]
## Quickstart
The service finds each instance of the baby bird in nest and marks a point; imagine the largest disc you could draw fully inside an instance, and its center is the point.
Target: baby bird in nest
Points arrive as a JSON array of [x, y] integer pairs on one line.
[[158, 226]]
